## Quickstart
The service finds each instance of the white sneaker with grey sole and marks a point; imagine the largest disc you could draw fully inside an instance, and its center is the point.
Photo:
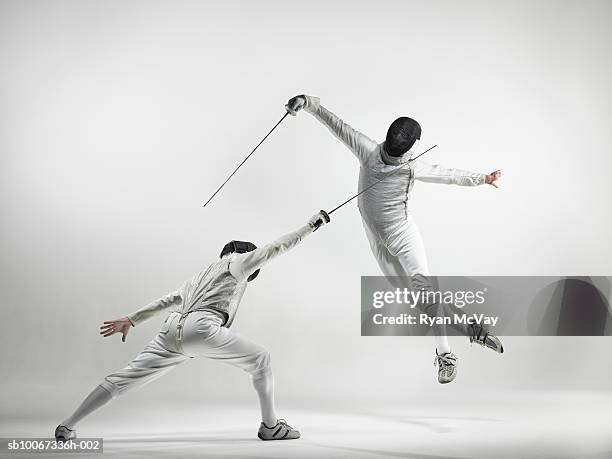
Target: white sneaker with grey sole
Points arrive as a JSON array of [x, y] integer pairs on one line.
[[480, 335], [63, 433], [447, 367], [281, 431]]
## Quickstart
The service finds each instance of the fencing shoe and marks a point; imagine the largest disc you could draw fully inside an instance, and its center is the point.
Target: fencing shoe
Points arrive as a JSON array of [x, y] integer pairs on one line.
[[479, 335], [447, 367], [63, 433], [281, 431]]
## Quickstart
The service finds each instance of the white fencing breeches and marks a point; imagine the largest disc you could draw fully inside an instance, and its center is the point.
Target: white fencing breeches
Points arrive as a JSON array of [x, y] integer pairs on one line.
[[403, 255], [202, 336]]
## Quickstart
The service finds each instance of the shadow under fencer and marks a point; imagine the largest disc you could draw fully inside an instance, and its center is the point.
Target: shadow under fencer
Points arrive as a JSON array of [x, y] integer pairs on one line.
[[182, 446], [182, 439], [302, 448], [437, 424], [385, 453]]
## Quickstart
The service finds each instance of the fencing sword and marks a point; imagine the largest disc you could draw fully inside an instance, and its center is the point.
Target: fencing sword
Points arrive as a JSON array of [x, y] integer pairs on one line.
[[245, 159], [327, 214]]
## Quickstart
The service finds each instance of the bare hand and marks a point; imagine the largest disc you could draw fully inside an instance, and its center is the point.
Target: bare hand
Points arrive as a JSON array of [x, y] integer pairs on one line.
[[111, 327], [492, 178]]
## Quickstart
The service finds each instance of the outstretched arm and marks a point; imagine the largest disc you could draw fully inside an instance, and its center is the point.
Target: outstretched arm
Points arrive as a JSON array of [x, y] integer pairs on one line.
[[434, 173], [155, 307], [123, 325], [360, 144], [245, 264]]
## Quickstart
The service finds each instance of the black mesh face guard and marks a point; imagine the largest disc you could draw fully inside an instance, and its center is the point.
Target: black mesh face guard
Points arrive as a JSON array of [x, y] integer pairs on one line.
[[401, 136], [240, 247]]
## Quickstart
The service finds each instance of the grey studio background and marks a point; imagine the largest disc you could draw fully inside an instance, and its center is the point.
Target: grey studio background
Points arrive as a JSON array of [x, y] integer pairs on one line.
[[119, 119]]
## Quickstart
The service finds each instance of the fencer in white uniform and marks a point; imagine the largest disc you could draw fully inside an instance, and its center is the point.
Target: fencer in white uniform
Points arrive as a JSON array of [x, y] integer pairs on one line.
[[201, 313], [390, 228]]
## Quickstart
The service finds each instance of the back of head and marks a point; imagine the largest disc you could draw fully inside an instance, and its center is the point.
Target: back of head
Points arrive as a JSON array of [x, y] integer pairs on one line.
[[239, 247], [401, 136]]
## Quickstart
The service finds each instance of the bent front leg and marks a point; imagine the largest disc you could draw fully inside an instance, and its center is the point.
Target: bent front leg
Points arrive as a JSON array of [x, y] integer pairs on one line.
[[208, 339]]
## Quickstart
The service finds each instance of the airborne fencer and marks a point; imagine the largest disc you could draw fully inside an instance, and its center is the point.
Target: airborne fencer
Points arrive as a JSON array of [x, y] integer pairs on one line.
[[390, 228], [201, 313]]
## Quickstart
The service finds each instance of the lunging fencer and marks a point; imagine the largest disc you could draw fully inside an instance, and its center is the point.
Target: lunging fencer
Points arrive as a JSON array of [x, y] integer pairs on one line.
[[390, 228], [201, 313]]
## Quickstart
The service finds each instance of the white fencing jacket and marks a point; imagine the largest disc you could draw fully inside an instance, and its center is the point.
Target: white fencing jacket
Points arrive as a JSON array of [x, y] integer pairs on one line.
[[221, 285], [384, 207]]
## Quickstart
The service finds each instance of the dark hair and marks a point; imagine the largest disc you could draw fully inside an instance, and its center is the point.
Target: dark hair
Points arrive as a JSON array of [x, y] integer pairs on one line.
[[237, 246], [240, 247]]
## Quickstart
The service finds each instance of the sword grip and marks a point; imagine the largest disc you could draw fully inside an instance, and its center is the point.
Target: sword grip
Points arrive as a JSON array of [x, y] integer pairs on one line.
[[319, 223]]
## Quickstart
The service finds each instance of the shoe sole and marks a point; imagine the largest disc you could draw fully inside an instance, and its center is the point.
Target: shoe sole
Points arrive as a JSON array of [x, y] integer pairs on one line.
[[64, 440], [500, 351], [275, 439]]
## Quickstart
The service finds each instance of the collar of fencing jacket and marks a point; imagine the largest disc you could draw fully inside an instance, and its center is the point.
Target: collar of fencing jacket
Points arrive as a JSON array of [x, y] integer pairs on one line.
[[394, 160]]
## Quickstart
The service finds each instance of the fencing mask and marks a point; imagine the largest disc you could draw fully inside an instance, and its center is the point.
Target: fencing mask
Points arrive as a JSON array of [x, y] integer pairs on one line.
[[401, 136], [239, 247]]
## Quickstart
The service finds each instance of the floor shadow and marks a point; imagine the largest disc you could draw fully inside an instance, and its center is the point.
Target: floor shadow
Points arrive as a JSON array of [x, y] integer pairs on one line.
[[181, 439], [436, 423], [385, 453]]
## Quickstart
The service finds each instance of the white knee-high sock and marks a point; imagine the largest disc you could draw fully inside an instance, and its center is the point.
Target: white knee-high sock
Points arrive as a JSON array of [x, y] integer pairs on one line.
[[264, 385], [97, 398], [442, 345]]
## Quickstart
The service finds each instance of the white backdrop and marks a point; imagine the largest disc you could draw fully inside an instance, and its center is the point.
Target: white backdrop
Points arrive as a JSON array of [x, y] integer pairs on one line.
[[119, 119]]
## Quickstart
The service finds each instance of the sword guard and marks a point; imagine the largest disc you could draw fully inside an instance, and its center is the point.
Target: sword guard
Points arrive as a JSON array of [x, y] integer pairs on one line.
[[319, 223]]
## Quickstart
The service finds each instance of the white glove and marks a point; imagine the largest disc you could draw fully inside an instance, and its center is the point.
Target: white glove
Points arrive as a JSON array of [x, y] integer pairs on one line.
[[295, 104], [319, 219]]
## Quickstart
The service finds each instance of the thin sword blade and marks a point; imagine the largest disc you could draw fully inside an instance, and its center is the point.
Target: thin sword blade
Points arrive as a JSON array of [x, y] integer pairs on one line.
[[245, 159]]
